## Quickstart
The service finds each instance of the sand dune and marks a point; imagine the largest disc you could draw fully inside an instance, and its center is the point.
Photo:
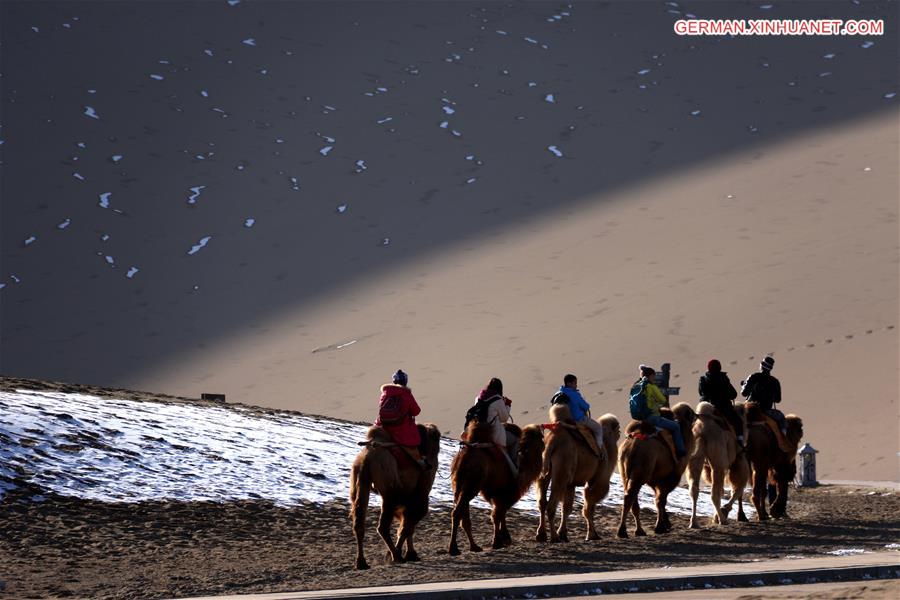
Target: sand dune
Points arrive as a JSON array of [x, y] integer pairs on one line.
[[761, 272], [622, 195]]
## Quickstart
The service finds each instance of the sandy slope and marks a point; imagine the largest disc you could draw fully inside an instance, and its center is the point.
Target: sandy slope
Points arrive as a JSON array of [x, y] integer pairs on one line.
[[658, 236], [800, 262]]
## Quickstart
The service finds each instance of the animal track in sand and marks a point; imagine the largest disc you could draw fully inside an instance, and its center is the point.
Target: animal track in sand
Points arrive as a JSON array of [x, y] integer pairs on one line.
[[827, 341]]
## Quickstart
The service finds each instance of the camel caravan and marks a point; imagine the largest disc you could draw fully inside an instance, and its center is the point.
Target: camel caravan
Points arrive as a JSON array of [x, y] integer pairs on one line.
[[717, 441]]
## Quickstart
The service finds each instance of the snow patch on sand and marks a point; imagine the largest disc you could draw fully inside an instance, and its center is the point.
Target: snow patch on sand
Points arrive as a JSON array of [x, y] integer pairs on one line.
[[117, 450]]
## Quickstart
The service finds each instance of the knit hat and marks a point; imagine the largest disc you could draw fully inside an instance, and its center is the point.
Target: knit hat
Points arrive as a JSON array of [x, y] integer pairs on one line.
[[767, 363], [400, 378], [713, 366]]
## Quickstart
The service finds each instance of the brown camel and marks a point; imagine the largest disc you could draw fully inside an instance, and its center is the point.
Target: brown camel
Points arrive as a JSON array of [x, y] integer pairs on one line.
[[479, 468], [403, 485], [568, 462], [770, 464], [650, 460], [716, 456]]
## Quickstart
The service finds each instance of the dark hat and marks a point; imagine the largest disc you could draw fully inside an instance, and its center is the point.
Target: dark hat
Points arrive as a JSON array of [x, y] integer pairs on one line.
[[767, 363], [400, 378], [647, 371], [713, 366]]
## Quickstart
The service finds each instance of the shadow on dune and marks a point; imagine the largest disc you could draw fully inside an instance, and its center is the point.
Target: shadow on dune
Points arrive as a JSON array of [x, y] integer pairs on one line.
[[428, 124]]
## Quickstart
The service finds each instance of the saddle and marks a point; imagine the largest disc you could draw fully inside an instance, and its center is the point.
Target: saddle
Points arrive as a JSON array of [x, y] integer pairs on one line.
[[584, 433], [772, 424], [587, 436], [643, 432], [404, 455], [719, 420]]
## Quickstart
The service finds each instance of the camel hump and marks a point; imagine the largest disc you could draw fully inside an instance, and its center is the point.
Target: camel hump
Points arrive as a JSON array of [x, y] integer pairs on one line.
[[560, 412], [378, 434], [708, 413], [643, 427], [514, 429]]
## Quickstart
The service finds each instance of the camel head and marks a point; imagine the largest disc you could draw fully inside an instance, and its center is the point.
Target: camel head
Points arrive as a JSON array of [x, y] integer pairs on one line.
[[560, 412], [531, 443], [794, 429], [610, 425]]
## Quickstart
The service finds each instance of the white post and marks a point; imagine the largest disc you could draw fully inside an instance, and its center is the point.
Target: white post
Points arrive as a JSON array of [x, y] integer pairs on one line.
[[806, 466]]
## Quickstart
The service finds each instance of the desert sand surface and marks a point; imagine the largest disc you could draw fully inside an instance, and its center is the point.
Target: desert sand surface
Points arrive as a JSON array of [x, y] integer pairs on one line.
[[287, 201], [67, 547]]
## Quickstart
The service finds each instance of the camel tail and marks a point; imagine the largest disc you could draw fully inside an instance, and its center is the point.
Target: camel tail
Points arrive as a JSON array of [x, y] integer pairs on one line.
[[360, 485], [546, 464]]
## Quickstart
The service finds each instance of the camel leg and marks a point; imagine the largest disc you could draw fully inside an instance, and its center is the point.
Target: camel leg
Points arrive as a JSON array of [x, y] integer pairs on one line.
[[593, 493], [407, 527], [543, 484], [360, 505], [718, 489], [779, 506], [759, 495], [636, 513], [630, 504], [738, 474], [695, 467], [384, 530], [505, 537], [568, 502], [498, 518], [461, 515], [663, 525], [556, 490], [467, 527]]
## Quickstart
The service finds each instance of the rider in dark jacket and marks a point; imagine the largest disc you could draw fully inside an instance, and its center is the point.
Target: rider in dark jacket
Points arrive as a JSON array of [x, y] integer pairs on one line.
[[765, 390], [716, 388]]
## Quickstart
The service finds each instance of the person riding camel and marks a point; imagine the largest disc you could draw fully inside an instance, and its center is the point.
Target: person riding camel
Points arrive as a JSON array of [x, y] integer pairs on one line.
[[716, 388], [495, 408], [655, 400], [764, 389], [580, 409], [397, 411]]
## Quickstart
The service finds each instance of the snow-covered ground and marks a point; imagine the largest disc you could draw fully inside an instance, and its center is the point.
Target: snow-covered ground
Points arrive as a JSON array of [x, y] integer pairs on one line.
[[128, 451]]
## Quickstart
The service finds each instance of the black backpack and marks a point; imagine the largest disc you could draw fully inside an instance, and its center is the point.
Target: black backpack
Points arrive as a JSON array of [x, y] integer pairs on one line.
[[560, 398], [478, 411]]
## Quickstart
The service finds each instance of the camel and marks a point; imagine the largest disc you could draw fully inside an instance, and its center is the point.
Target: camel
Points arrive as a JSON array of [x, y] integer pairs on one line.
[[478, 469], [716, 456], [769, 463], [568, 462], [651, 461], [403, 485]]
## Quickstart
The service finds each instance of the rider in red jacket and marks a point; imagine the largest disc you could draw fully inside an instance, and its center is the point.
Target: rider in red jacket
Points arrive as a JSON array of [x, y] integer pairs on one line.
[[397, 411]]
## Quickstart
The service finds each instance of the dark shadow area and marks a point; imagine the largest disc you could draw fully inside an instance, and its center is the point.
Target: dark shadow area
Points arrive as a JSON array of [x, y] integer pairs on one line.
[[245, 125]]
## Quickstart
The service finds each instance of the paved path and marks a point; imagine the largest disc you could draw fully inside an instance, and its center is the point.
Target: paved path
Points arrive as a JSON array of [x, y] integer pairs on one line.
[[880, 565]]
